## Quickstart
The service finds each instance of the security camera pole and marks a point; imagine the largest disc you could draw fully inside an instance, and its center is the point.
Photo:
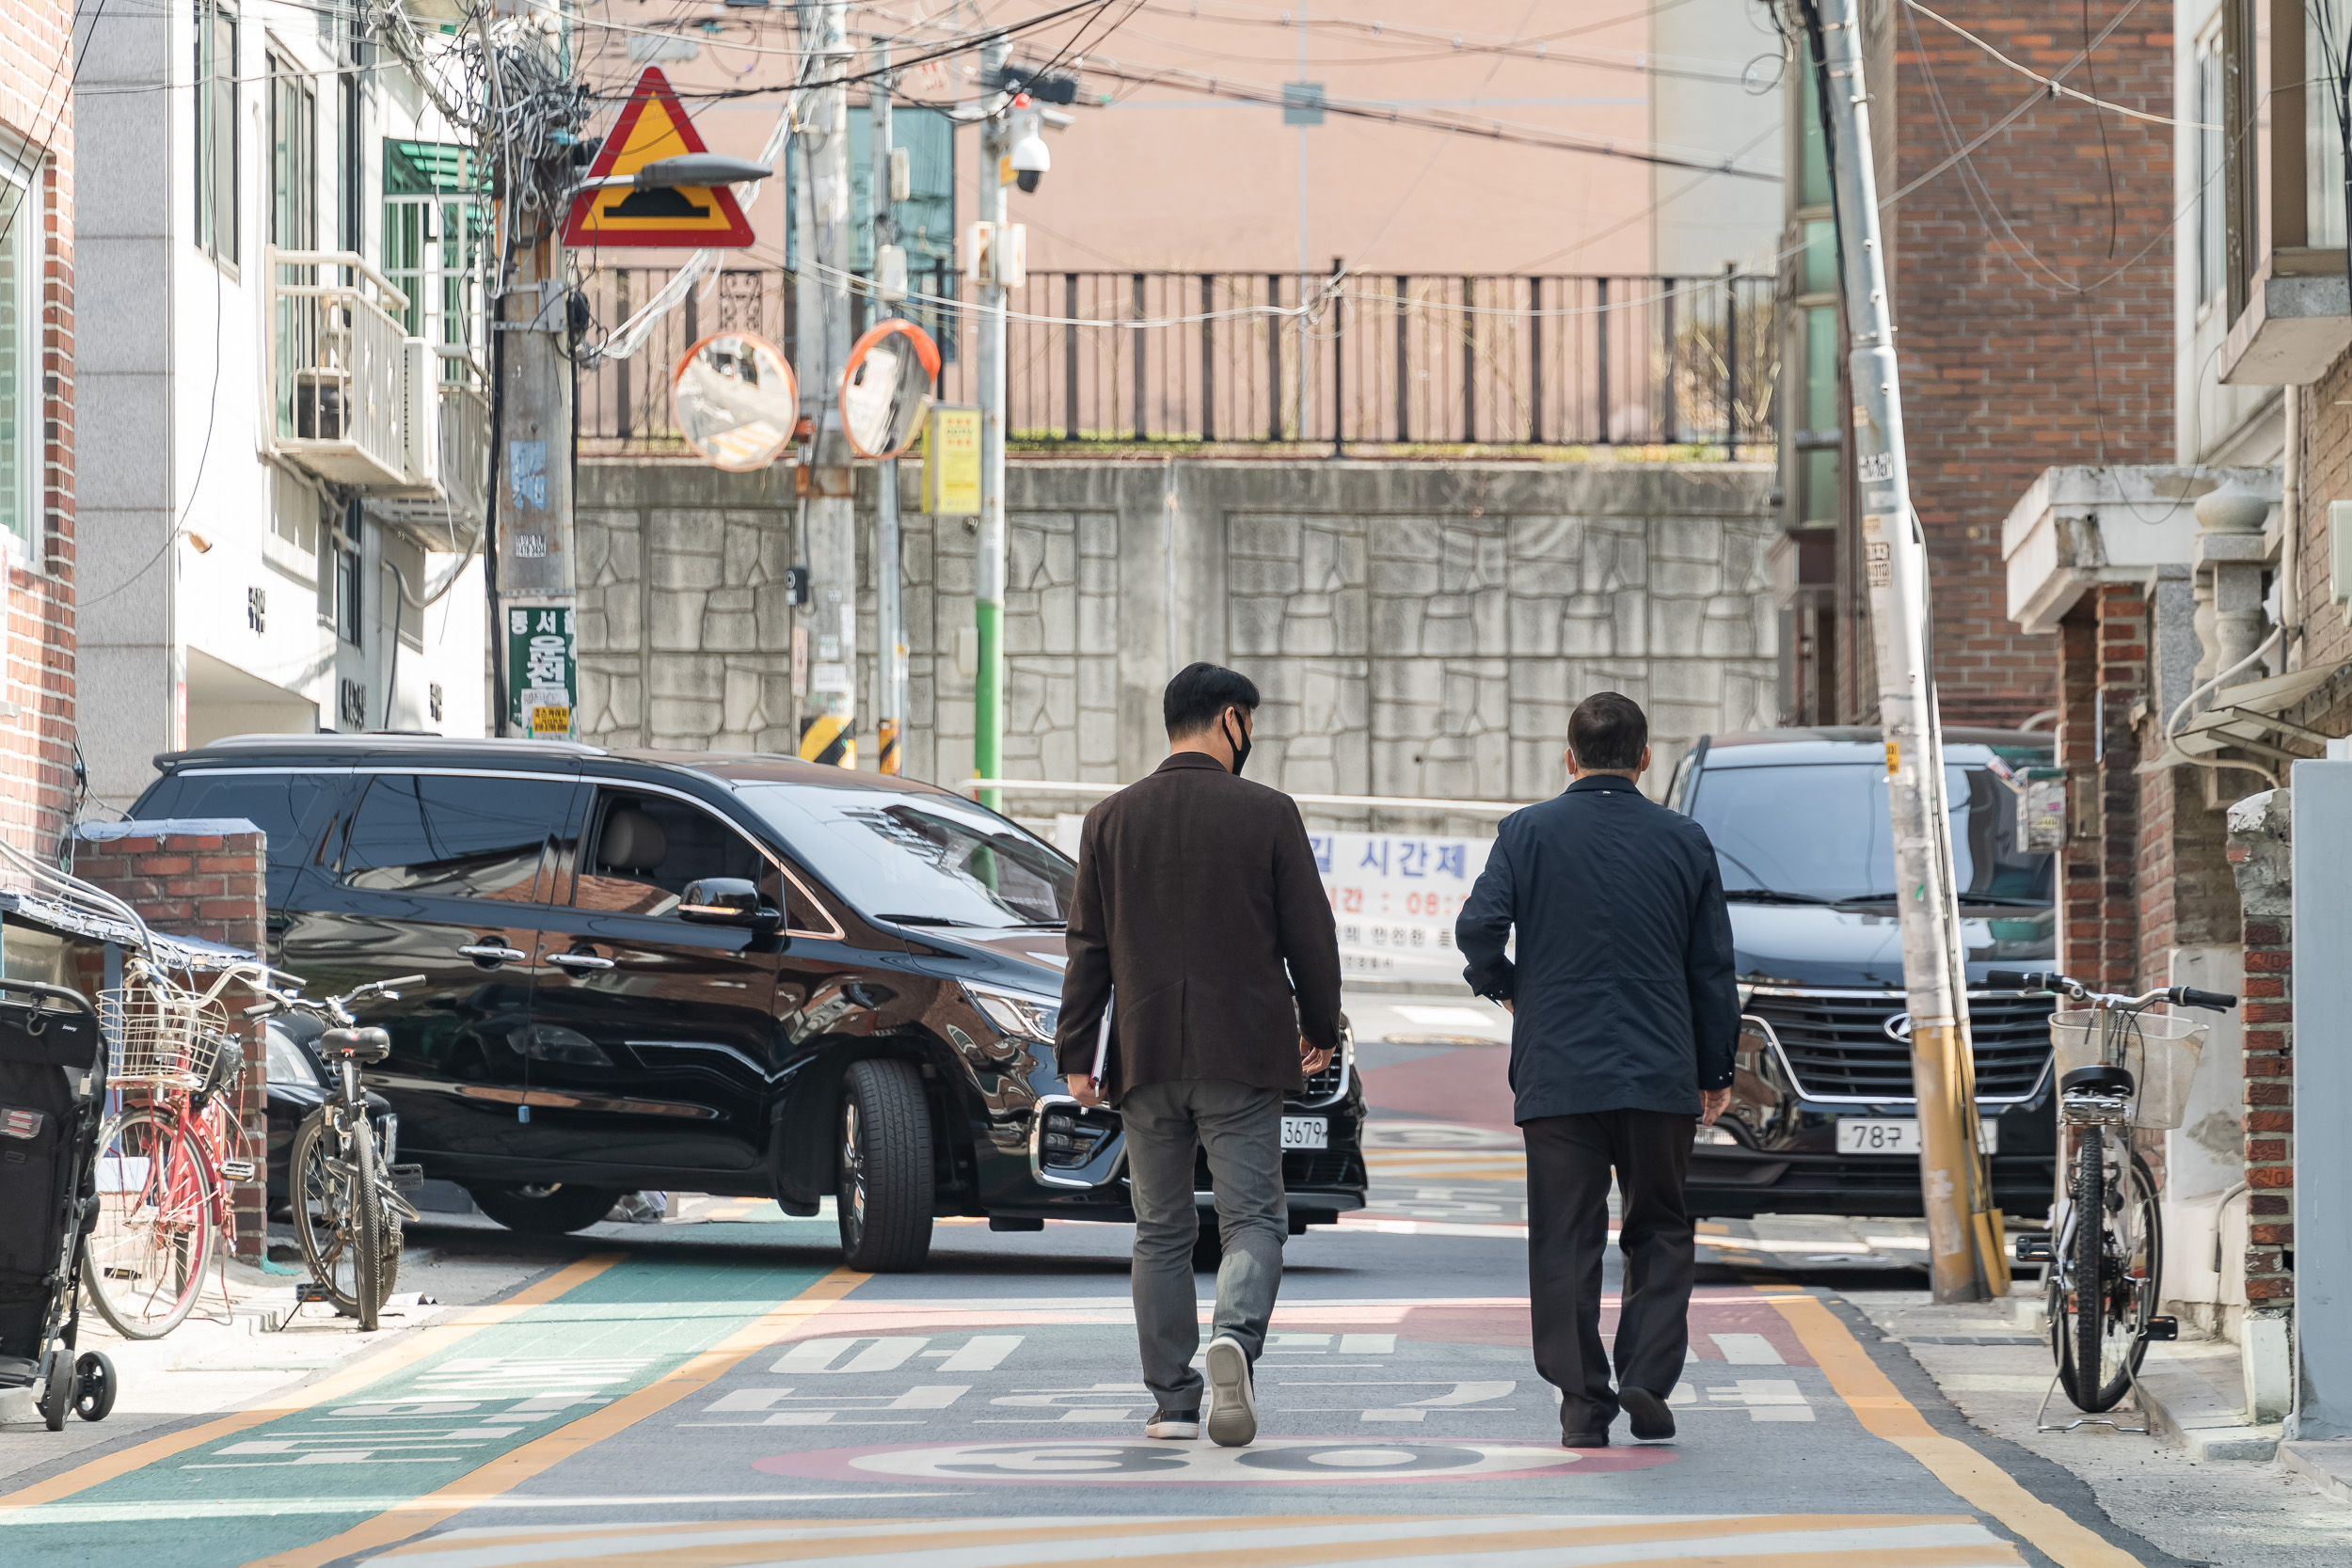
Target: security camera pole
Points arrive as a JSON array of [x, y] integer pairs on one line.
[[829, 712], [1963, 1230], [890, 649], [988, 607]]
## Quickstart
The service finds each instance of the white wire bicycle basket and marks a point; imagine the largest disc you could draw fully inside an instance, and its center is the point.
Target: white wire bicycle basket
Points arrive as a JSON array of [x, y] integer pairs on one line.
[[2159, 1049], [163, 1036]]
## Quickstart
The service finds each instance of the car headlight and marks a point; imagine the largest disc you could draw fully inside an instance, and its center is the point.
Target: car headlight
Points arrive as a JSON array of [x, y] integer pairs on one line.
[[1745, 991], [1017, 1014], [289, 1063]]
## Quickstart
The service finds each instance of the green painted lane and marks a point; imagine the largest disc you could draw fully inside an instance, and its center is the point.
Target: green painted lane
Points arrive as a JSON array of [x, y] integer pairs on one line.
[[315, 1473]]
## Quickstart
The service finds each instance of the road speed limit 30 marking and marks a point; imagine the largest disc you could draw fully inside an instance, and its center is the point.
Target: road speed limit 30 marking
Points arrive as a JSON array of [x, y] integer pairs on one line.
[[1312, 1460]]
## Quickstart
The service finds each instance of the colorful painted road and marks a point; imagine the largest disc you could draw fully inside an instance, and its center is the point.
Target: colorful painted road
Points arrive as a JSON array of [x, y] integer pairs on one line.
[[721, 1395]]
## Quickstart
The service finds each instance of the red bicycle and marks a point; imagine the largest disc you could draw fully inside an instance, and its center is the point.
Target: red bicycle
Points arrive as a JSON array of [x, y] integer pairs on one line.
[[168, 1155]]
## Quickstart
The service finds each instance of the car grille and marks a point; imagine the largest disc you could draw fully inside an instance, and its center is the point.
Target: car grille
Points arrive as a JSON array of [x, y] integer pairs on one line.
[[1301, 1168], [1324, 1087], [1836, 1046]]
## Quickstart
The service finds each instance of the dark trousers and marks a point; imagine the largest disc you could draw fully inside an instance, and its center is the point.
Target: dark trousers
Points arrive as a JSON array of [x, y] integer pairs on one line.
[[1568, 1162]]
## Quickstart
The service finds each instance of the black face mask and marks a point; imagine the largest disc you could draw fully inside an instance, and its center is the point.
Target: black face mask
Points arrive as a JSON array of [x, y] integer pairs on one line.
[[1241, 746]]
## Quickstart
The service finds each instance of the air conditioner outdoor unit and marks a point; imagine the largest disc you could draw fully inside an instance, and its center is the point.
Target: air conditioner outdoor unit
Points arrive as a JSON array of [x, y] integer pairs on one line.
[[421, 412]]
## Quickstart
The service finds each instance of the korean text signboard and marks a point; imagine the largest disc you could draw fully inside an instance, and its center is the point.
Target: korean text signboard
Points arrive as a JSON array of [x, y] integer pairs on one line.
[[1395, 897], [542, 672]]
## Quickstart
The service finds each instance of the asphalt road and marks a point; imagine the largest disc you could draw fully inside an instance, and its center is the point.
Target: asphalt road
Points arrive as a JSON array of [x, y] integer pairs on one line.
[[716, 1391]]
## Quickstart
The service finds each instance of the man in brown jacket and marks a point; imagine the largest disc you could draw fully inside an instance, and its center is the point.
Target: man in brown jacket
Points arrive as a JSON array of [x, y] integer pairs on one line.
[[1200, 927]]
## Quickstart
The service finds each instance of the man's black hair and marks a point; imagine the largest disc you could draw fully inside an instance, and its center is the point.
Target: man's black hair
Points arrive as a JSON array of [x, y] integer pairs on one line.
[[1200, 692], [1607, 732]]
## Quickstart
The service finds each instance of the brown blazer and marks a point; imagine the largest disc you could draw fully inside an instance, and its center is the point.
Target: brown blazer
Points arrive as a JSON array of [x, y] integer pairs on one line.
[[1195, 887]]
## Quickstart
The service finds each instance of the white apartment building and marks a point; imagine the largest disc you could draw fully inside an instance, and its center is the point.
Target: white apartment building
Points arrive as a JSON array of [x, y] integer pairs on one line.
[[284, 432]]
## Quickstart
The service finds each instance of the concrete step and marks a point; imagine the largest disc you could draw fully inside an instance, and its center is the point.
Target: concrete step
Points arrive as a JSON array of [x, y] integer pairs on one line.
[[2327, 1463], [2194, 1396]]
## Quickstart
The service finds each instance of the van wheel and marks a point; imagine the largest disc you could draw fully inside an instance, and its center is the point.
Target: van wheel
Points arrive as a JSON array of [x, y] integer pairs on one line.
[[884, 1192], [554, 1210]]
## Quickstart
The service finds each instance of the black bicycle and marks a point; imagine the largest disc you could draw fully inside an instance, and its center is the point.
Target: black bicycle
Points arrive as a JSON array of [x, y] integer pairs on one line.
[[2119, 1067], [345, 1188]]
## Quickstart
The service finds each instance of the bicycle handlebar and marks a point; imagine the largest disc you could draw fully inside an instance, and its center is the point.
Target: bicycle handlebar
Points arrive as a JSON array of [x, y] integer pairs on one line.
[[2179, 996], [335, 1009]]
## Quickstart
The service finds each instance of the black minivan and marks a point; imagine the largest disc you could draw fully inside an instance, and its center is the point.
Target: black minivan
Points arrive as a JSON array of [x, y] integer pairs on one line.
[[857, 1000], [1823, 1119]]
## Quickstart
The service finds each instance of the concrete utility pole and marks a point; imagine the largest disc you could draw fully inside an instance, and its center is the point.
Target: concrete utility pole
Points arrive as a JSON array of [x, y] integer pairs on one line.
[[530, 488], [987, 608], [890, 648], [829, 714], [1963, 1234]]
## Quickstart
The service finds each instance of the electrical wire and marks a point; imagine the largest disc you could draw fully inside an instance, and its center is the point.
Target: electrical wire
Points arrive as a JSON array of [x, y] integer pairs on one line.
[[2057, 87]]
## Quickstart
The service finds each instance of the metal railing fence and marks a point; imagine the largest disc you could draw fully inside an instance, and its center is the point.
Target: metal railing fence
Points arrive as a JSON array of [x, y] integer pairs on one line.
[[1394, 361]]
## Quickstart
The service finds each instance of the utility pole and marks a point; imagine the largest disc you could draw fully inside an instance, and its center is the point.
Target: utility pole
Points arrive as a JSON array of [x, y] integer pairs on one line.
[[1964, 1232], [829, 714], [530, 490], [987, 608], [890, 648]]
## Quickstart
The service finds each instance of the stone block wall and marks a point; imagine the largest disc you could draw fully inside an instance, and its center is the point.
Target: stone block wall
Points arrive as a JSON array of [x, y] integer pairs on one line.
[[200, 880], [1415, 630]]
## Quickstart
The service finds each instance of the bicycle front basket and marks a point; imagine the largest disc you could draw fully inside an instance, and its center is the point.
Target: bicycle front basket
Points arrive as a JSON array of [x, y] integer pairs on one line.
[[2159, 1049], [163, 1036]]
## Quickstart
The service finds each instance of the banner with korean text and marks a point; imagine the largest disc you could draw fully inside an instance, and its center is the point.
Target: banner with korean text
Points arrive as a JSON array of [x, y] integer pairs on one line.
[[1395, 896]]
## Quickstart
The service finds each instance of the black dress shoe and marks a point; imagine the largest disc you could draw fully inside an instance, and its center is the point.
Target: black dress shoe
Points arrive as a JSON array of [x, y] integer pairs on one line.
[[1646, 1415], [1584, 1439]]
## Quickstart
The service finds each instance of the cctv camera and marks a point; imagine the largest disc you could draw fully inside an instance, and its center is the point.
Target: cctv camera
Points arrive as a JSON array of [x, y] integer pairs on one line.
[[1030, 159]]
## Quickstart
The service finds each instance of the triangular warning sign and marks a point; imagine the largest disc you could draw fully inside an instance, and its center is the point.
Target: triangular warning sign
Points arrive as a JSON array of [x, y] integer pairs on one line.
[[698, 217]]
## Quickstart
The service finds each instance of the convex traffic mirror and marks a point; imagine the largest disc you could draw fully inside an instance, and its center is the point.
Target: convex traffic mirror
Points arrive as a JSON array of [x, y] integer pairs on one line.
[[886, 388], [736, 400]]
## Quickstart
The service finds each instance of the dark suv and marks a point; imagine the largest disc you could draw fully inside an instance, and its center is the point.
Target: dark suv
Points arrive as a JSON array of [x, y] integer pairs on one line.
[[744, 975], [1823, 1119]]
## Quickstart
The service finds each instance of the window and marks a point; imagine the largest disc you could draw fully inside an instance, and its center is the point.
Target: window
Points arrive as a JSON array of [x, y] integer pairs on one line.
[[1814, 191], [2210, 187], [289, 808], [216, 137], [648, 847], [921, 859], [432, 238], [349, 581], [20, 363], [2325, 53], [349, 161], [293, 221], [455, 835]]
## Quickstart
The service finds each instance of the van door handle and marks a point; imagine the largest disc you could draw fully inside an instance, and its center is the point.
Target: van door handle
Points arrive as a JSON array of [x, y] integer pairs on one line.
[[580, 960], [488, 952]]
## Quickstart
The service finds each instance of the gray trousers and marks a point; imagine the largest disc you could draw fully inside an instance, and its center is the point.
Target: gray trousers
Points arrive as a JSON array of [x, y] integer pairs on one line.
[[1241, 1127]]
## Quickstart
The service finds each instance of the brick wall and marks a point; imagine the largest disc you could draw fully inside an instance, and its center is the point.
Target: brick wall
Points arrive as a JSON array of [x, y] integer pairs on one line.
[[2187, 897], [2032, 287], [37, 682], [2103, 670], [2260, 851], [198, 884]]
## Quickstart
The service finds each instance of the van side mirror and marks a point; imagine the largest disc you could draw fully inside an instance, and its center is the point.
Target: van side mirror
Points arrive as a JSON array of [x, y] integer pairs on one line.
[[727, 902]]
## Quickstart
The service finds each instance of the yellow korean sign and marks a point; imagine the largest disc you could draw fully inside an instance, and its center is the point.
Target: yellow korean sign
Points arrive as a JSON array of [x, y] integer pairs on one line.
[[951, 460]]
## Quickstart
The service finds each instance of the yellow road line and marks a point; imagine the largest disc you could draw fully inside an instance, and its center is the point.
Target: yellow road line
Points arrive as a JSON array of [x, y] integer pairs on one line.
[[347, 1381], [517, 1466], [1885, 1413]]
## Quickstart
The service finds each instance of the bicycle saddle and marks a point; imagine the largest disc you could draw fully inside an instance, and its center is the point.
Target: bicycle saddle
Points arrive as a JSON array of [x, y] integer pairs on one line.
[[366, 1045], [2098, 1077]]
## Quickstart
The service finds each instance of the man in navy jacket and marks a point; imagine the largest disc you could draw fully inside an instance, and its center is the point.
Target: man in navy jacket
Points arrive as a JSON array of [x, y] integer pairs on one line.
[[1624, 1016]]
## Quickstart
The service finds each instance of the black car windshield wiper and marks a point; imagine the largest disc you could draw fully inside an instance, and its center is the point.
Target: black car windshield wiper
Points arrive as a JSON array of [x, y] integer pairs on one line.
[[1039, 925], [925, 920], [1773, 895]]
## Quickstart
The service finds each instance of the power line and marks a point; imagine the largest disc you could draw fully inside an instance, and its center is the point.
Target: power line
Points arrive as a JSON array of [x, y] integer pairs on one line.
[[2057, 87]]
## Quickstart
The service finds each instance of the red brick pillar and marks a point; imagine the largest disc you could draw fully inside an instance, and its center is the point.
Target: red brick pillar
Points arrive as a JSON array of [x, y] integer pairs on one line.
[[207, 885], [2262, 856], [2103, 670]]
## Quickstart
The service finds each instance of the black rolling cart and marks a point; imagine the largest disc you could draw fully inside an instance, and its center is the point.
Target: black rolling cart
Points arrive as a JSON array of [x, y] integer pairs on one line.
[[53, 1098]]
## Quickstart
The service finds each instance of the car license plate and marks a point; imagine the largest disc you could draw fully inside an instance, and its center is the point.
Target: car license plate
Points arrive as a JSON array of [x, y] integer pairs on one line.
[[1306, 1133], [1878, 1136]]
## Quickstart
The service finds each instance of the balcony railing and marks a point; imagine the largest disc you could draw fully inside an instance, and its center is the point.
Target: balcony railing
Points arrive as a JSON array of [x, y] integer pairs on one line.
[[340, 367], [1385, 363]]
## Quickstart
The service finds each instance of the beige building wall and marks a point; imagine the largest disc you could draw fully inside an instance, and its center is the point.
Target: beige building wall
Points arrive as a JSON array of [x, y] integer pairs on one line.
[[1161, 174]]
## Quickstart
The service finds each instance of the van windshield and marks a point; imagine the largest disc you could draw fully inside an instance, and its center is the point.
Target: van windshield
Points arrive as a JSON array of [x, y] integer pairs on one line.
[[1819, 830], [920, 860]]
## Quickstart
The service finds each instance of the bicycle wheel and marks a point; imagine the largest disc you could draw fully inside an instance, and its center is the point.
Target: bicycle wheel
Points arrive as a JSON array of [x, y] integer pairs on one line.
[[157, 1223], [367, 1223], [323, 1182], [2115, 1267]]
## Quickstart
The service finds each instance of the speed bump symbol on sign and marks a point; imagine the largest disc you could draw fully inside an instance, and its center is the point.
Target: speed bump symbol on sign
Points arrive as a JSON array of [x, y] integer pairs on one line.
[[654, 125]]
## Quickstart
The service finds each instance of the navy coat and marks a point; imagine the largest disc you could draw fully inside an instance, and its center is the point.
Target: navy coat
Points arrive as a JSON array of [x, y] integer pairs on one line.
[[1623, 994]]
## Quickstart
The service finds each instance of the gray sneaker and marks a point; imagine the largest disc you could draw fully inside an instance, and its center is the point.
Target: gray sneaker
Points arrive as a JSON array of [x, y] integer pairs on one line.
[[1173, 1424], [1233, 1402]]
